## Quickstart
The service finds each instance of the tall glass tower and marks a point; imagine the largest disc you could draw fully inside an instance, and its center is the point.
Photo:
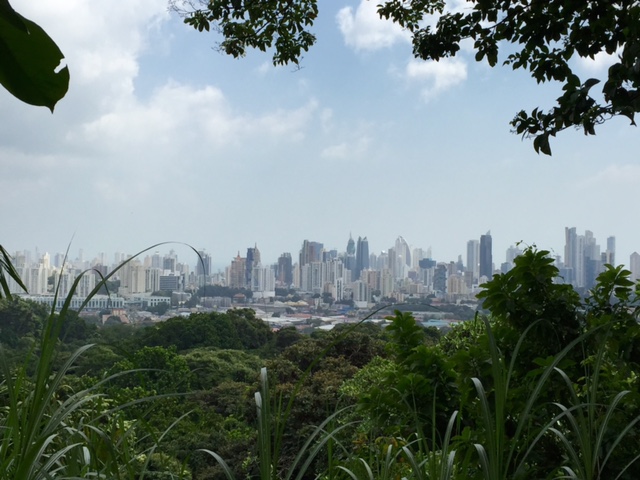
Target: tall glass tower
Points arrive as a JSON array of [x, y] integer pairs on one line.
[[486, 256]]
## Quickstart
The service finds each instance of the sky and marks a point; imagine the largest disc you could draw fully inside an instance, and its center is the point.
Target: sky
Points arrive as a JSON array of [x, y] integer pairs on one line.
[[163, 138]]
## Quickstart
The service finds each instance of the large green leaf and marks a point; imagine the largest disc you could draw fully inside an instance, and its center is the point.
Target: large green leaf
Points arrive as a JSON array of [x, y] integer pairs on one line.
[[29, 59]]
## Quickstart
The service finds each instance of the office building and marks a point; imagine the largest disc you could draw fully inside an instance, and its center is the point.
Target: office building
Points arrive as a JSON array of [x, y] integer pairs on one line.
[[486, 256], [473, 259], [285, 270], [362, 257]]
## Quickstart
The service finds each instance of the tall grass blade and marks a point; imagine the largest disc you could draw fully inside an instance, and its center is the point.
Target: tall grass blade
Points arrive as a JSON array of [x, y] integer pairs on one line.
[[8, 270], [225, 468]]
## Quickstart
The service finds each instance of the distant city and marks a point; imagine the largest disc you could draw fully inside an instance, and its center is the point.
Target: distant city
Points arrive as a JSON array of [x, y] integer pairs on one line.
[[355, 274]]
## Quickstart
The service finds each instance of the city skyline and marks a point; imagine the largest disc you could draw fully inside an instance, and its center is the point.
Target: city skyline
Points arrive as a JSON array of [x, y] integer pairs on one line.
[[353, 274], [311, 250]]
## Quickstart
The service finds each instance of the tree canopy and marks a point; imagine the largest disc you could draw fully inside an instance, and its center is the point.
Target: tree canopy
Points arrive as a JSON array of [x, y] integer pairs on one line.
[[542, 37]]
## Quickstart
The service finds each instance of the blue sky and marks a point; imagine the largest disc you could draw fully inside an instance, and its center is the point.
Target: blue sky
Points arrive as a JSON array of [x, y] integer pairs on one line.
[[163, 138]]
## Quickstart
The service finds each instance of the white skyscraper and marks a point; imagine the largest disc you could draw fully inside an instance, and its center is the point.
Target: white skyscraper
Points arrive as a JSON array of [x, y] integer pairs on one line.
[[512, 253], [263, 279], [610, 254], [401, 259], [473, 258], [634, 266]]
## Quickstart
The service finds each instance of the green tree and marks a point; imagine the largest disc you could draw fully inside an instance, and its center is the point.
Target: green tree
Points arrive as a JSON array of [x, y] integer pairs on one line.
[[285, 337], [159, 309], [212, 366], [542, 37], [585, 351], [237, 329], [20, 319], [418, 384], [281, 24], [159, 370], [75, 328]]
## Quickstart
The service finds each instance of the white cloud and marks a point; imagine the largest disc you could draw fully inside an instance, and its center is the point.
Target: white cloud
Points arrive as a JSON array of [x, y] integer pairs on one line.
[[181, 135], [365, 30], [354, 149], [326, 119], [599, 63], [107, 139], [436, 77], [100, 41], [620, 177], [264, 68], [180, 119]]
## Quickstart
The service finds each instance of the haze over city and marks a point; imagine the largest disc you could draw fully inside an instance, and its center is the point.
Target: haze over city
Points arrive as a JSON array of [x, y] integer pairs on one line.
[[162, 138], [219, 261]]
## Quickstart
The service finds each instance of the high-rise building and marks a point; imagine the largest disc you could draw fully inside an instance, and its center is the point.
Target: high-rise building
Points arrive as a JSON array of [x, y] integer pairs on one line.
[[400, 258], [634, 266], [417, 255], [253, 259], [610, 253], [263, 279], [512, 253], [593, 259], [440, 278], [362, 257], [361, 291], [456, 285], [156, 260], [351, 246], [349, 259], [152, 279], [285, 270], [328, 255], [486, 256], [582, 258], [573, 258], [237, 272], [203, 264], [382, 261], [169, 262], [310, 252], [473, 259]]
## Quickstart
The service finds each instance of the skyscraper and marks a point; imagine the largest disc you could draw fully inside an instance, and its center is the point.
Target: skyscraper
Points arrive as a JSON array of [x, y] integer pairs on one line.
[[362, 257], [473, 259], [573, 258], [512, 253], [400, 261], [610, 254], [203, 264], [237, 272], [253, 259], [285, 269], [593, 259], [310, 252], [350, 258], [582, 258], [634, 266], [486, 256]]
